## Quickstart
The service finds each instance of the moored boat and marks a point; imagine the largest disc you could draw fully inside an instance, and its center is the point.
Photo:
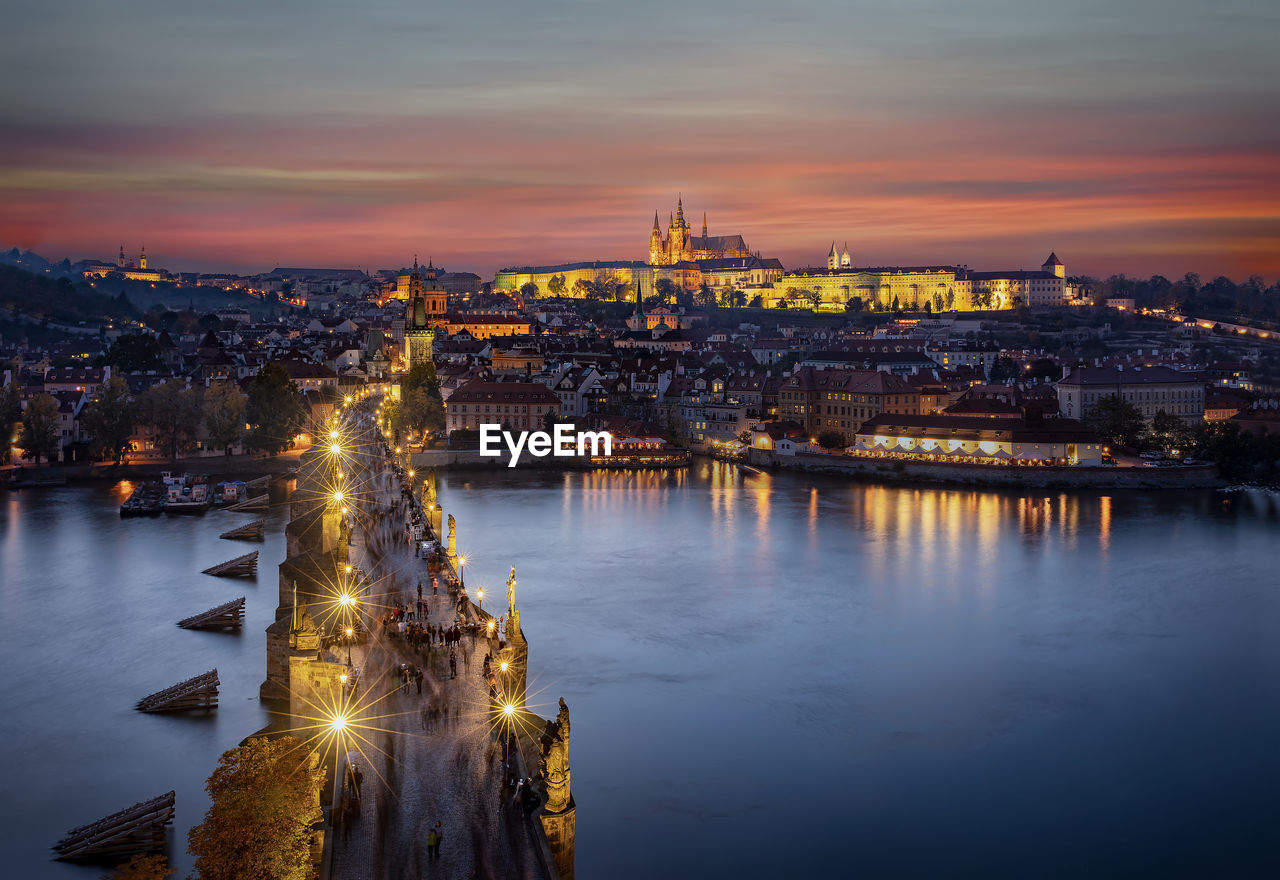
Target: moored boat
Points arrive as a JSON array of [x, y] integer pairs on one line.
[[186, 494]]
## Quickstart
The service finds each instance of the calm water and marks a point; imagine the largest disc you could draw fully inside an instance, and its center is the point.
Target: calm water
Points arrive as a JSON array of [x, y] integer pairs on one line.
[[768, 675], [88, 603], [782, 676]]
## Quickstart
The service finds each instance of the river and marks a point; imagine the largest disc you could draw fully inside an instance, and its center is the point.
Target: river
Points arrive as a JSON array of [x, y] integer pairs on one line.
[[768, 674]]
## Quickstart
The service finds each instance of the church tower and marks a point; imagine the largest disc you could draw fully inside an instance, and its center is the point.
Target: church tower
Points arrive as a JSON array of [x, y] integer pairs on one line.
[[1054, 266], [678, 236], [655, 243], [846, 261], [142, 258], [120, 260], [833, 259]]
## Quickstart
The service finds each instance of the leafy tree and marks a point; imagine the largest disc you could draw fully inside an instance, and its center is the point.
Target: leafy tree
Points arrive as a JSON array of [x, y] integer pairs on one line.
[[853, 305], [584, 289], [556, 286], [815, 298], [1169, 432], [39, 435], [109, 419], [173, 412], [265, 798], [134, 352], [273, 411], [1116, 421], [706, 297], [1043, 368], [928, 307], [1003, 368], [757, 301], [223, 408], [419, 412], [10, 414], [895, 305], [666, 289], [938, 302], [420, 376], [830, 439], [529, 290], [142, 867], [1240, 455]]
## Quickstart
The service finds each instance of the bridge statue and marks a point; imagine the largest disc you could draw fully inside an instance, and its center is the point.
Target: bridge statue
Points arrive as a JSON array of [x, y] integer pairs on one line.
[[555, 761], [451, 545], [511, 593]]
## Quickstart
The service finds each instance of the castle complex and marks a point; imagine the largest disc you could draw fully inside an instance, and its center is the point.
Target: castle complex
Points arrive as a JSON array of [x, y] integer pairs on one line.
[[680, 245]]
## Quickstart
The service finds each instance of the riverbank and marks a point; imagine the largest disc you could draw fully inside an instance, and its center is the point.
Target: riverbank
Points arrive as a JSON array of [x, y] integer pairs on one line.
[[1040, 477], [88, 474]]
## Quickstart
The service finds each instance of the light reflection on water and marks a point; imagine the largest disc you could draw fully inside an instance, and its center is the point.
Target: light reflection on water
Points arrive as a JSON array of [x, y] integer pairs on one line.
[[896, 680], [769, 674]]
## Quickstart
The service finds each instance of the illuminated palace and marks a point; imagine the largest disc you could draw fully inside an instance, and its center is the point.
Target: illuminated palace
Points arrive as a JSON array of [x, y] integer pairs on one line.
[[131, 269], [681, 246], [911, 287]]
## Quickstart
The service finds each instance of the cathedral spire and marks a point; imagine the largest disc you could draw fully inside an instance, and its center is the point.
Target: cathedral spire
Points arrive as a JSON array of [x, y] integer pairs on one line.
[[656, 227], [680, 210], [704, 224]]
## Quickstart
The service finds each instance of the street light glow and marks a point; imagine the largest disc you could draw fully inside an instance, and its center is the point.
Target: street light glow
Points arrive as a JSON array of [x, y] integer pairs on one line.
[[335, 448], [508, 709], [333, 434], [337, 496], [338, 723]]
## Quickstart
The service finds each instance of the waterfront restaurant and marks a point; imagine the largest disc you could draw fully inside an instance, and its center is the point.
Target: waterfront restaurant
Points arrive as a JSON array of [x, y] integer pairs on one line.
[[1009, 441]]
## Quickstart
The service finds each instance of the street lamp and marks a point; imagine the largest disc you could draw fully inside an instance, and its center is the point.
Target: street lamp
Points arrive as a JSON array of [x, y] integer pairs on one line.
[[480, 597], [462, 573]]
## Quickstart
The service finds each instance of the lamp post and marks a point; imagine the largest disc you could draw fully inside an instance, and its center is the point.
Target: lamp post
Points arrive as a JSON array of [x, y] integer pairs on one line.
[[480, 597], [462, 572]]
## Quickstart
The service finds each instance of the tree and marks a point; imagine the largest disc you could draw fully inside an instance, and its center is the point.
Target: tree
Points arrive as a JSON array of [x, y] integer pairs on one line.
[[142, 867], [584, 289], [529, 290], [265, 798], [983, 299], [39, 435], [938, 302], [706, 297], [831, 440], [173, 412], [419, 412], [895, 306], [273, 411], [556, 286], [1169, 432], [1117, 422], [420, 376], [1003, 368], [223, 408], [815, 299], [666, 289], [109, 419], [10, 414], [133, 352], [853, 305]]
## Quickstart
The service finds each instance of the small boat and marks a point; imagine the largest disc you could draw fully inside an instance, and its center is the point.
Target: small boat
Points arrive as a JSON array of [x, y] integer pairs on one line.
[[186, 494], [230, 492], [146, 500]]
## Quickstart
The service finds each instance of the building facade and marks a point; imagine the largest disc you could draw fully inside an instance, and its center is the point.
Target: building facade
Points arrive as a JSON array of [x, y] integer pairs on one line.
[[841, 400], [520, 406], [1150, 389]]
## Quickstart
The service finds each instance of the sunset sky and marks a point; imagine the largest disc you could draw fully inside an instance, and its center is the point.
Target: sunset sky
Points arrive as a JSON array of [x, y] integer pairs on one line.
[[1135, 137]]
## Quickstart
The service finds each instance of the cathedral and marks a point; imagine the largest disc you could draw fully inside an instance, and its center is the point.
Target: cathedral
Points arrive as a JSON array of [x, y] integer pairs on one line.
[[424, 309], [680, 245]]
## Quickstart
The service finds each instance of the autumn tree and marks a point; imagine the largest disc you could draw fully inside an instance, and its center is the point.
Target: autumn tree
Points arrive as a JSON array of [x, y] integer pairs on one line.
[[529, 290], [556, 286], [831, 439], [39, 435], [273, 411], [223, 408], [264, 799], [10, 414], [109, 419], [172, 410]]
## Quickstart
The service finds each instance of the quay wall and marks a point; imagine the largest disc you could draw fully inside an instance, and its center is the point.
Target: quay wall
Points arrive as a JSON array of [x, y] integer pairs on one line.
[[1197, 477]]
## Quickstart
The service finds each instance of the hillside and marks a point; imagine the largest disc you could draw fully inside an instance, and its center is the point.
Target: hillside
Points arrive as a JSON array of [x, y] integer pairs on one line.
[[30, 297]]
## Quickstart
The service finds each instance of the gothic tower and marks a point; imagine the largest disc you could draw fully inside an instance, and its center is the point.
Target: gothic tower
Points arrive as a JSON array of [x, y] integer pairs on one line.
[[846, 260], [142, 258], [833, 259], [655, 243], [418, 335]]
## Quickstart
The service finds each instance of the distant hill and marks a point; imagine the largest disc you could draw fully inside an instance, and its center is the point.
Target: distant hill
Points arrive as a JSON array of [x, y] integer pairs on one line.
[[39, 298]]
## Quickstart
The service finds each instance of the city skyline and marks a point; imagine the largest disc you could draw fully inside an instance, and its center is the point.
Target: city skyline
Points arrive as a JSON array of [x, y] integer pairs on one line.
[[1122, 140]]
